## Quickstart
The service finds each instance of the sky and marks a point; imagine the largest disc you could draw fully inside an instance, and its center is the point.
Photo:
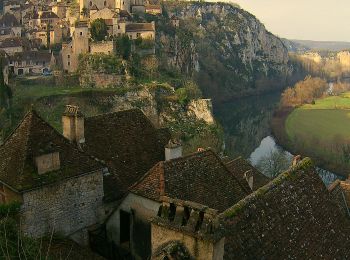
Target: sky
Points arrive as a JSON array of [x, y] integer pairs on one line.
[[318, 20]]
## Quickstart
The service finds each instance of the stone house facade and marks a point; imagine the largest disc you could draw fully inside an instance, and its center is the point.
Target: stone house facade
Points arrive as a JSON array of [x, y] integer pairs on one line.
[[31, 62], [78, 45], [59, 187], [140, 30]]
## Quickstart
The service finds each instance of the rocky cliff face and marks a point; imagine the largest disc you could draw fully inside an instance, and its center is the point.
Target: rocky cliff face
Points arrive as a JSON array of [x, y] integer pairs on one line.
[[231, 53], [193, 122]]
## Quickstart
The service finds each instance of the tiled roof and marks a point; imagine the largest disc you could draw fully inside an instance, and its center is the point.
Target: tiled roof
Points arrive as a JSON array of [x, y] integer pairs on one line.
[[8, 20], [32, 56], [137, 27], [124, 14], [292, 217], [48, 15], [128, 143], [201, 178], [34, 137], [15, 42], [239, 167], [153, 7], [340, 191]]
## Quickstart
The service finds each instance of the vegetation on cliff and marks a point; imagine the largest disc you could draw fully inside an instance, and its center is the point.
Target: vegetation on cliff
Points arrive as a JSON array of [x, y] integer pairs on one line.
[[226, 49]]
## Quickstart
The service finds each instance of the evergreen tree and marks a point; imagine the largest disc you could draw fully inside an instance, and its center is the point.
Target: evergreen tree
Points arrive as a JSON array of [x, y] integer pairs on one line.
[[99, 29]]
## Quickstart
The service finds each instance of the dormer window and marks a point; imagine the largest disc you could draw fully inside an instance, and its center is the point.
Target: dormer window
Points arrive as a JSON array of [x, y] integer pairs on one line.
[[47, 162]]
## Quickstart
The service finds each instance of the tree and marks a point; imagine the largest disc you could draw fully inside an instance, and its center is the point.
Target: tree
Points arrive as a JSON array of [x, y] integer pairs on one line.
[[274, 163], [99, 29], [84, 12], [123, 46]]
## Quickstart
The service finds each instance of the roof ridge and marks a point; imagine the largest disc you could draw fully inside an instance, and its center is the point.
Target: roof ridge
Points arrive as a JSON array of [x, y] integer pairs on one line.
[[189, 155], [15, 129], [145, 175], [227, 169], [235, 209]]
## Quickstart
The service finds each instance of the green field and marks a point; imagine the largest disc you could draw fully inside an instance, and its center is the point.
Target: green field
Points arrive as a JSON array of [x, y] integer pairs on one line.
[[327, 119]]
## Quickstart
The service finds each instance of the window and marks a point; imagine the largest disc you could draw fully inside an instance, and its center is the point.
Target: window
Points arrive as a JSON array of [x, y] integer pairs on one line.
[[68, 63], [118, 26], [81, 33], [138, 35], [44, 63], [104, 3]]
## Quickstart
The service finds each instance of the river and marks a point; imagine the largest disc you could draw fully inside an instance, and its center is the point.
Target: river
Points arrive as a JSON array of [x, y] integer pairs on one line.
[[247, 131]]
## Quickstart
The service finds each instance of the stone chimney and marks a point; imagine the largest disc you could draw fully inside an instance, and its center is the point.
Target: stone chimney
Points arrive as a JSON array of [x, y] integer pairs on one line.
[[173, 150], [73, 124]]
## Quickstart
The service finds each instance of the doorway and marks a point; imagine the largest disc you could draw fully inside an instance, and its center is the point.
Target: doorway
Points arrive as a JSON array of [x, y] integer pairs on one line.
[[125, 229]]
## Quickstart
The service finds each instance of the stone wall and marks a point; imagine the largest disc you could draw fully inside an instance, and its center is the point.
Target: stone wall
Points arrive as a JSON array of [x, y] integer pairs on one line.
[[198, 248], [64, 207], [101, 80], [106, 47], [142, 210]]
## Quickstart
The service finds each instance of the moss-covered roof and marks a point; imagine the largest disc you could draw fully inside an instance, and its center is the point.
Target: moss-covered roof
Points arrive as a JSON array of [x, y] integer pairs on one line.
[[292, 217]]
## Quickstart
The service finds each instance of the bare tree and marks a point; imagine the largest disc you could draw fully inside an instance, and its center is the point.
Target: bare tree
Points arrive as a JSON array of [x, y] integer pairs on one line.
[[274, 163]]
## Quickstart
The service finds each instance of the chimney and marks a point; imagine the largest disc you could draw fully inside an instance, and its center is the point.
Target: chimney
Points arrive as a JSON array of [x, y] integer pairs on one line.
[[173, 150], [73, 124]]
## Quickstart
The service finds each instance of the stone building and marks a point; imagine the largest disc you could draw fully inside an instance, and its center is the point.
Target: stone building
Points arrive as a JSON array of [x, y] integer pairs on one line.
[[15, 45], [9, 27], [59, 187], [200, 178], [126, 5], [78, 45], [192, 234], [31, 62], [292, 217], [140, 30]]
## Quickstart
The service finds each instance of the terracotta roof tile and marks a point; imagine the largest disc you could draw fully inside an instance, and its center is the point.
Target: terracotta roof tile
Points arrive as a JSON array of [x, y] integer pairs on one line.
[[201, 178]]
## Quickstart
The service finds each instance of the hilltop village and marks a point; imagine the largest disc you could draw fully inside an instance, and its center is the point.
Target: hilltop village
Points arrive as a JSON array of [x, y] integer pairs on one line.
[[31, 31], [118, 186]]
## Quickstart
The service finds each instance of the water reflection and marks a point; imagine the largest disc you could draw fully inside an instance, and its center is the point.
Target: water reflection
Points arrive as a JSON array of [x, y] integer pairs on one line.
[[247, 132], [268, 145]]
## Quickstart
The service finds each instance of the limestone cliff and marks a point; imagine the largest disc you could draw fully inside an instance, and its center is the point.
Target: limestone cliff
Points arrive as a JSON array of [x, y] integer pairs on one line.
[[228, 50], [192, 122]]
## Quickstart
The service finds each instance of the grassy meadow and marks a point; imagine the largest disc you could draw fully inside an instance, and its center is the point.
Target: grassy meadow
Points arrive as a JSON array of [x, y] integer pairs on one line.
[[327, 119]]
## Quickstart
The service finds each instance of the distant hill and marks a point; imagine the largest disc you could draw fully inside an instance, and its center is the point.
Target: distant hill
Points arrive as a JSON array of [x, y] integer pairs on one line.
[[305, 45]]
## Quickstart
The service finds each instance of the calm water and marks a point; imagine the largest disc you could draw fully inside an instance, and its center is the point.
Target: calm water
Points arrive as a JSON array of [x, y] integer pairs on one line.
[[247, 132]]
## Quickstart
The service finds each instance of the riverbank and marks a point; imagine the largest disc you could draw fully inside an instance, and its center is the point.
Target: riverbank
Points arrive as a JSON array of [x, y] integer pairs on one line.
[[320, 131]]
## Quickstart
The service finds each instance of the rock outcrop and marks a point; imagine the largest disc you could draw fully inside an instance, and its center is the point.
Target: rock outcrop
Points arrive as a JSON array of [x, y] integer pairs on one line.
[[229, 50]]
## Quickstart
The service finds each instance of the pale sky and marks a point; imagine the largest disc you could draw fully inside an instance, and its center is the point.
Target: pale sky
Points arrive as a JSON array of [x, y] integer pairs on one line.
[[303, 19]]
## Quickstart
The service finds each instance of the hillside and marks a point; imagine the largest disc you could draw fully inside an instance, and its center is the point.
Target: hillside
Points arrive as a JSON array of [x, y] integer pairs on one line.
[[306, 45], [228, 51]]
